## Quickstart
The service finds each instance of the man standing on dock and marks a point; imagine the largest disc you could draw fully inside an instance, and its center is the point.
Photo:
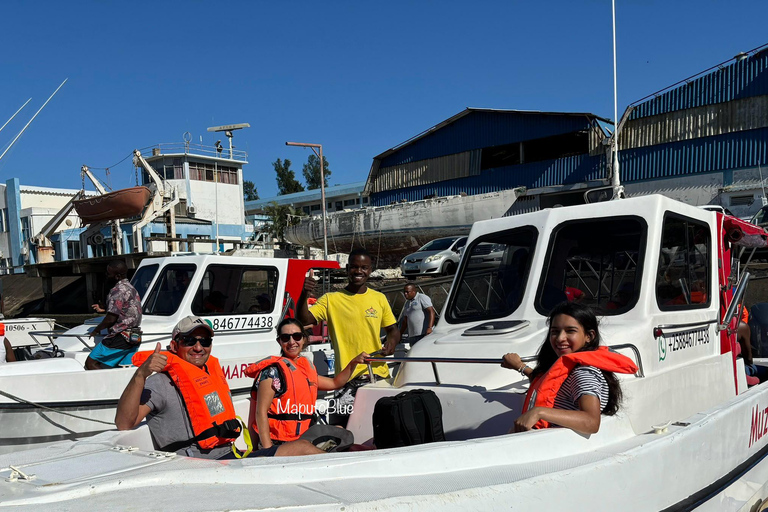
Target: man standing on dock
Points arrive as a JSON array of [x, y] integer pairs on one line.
[[123, 313], [355, 316], [419, 314]]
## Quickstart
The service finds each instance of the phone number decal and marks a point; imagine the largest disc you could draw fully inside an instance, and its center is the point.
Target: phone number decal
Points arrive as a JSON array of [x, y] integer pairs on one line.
[[240, 322]]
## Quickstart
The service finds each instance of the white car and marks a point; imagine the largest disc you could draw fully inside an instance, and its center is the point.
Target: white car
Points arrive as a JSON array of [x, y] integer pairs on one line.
[[440, 256]]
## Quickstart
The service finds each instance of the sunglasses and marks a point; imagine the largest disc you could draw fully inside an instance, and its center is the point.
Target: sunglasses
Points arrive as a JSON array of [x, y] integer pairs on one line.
[[191, 341], [285, 337]]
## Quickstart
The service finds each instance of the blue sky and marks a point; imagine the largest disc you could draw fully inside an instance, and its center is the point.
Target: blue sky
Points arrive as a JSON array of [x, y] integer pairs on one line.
[[357, 77]]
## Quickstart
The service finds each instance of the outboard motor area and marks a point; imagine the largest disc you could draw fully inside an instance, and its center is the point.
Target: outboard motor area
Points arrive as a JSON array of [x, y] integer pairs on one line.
[[648, 266]]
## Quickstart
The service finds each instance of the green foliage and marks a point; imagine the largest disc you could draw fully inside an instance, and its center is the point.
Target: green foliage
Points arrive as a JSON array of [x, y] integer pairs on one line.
[[280, 217], [286, 178], [311, 172], [250, 193]]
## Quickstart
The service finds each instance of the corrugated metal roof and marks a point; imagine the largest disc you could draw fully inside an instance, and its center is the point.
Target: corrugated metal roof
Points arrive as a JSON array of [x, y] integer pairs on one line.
[[736, 150], [30, 189], [562, 171], [485, 127], [331, 191], [743, 78]]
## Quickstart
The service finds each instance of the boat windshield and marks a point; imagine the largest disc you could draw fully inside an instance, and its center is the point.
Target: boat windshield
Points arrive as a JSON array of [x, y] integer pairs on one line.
[[440, 244], [143, 277], [493, 275], [596, 262], [169, 289]]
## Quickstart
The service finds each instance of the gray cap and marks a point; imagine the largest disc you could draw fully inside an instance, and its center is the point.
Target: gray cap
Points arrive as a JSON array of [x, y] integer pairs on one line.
[[189, 324]]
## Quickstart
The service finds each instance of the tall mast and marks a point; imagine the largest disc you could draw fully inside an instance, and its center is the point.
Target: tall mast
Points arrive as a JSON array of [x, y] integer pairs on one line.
[[618, 190], [33, 118]]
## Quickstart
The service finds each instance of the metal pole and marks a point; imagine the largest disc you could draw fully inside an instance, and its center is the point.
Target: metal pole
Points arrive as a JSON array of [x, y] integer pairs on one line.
[[322, 195], [33, 118], [14, 115], [216, 193]]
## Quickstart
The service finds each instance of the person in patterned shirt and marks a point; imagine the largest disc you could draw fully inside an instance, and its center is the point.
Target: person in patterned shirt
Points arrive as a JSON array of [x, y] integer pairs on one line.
[[123, 313]]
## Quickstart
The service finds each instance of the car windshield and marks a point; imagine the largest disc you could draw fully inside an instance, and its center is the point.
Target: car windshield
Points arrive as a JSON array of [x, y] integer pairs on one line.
[[761, 217], [493, 276], [440, 244]]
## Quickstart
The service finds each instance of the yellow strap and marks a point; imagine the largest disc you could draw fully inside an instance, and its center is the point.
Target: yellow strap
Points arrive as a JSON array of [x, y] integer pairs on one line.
[[246, 438]]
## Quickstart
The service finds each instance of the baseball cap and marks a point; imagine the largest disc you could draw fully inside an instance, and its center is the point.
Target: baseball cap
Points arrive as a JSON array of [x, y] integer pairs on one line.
[[188, 324]]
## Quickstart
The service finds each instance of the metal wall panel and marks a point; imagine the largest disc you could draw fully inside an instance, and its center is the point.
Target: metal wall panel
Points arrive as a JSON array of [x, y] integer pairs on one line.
[[480, 129], [717, 153], [741, 79], [562, 171], [427, 171], [733, 116]]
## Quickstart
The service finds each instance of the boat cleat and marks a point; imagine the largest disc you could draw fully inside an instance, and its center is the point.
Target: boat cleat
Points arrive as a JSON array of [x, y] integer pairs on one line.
[[17, 474], [125, 449]]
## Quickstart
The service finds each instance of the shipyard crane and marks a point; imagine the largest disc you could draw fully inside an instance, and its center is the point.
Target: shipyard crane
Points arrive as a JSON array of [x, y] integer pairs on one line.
[[92, 235], [164, 199], [42, 238]]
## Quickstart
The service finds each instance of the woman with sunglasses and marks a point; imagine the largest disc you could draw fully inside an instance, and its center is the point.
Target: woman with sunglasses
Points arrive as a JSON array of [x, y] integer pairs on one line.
[[285, 388]]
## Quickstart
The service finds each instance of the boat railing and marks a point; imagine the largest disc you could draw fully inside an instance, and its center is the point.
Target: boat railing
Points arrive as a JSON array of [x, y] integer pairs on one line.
[[190, 148], [468, 360], [82, 338]]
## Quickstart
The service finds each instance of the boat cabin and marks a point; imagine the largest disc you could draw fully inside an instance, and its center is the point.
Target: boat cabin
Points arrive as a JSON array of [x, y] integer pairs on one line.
[[652, 267]]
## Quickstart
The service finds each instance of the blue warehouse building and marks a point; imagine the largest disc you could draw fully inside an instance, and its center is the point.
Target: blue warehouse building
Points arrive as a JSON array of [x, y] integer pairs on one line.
[[703, 140], [484, 150]]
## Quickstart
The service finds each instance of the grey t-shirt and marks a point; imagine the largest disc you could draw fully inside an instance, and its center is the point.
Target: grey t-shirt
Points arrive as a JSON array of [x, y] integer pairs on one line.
[[418, 320], [168, 420]]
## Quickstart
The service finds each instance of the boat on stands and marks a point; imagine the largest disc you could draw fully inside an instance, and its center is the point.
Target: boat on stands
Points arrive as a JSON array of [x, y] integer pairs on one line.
[[393, 231], [690, 433], [118, 204], [51, 397]]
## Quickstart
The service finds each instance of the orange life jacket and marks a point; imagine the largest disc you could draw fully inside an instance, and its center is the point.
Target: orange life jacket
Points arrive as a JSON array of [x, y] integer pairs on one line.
[[544, 388], [206, 398], [290, 414]]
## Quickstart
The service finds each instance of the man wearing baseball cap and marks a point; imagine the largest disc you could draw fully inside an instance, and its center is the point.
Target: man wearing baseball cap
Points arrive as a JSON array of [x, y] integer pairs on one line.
[[185, 398]]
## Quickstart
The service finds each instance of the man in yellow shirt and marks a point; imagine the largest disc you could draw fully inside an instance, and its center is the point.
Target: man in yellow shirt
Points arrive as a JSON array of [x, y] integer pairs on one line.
[[355, 317]]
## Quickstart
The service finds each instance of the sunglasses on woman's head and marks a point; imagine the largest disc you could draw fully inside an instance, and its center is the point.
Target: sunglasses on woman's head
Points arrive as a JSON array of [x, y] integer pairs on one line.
[[285, 337], [191, 341]]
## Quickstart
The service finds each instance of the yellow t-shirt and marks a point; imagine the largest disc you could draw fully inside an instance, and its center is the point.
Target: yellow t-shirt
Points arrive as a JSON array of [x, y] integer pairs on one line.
[[354, 323]]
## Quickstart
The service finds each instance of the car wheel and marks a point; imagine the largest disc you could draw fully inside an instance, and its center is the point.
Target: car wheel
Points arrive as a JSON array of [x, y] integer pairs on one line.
[[449, 268]]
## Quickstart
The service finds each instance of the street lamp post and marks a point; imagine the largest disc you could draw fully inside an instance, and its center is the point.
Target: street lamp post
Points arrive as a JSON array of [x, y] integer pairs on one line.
[[318, 150]]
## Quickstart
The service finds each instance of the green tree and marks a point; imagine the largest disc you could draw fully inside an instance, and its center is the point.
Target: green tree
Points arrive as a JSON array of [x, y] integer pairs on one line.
[[250, 193], [286, 178], [311, 172], [281, 217]]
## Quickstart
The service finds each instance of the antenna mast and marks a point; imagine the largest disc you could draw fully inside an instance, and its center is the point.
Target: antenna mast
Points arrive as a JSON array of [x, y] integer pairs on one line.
[[618, 190]]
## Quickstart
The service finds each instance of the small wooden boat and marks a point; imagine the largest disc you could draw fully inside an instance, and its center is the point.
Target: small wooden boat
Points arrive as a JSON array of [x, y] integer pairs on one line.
[[114, 205]]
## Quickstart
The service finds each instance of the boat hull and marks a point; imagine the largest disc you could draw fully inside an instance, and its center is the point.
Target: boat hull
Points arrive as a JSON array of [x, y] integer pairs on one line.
[[391, 232], [119, 204]]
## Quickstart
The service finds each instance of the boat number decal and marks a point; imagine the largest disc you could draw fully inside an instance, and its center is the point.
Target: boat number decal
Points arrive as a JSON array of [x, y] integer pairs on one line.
[[759, 424], [239, 322], [682, 340], [20, 327]]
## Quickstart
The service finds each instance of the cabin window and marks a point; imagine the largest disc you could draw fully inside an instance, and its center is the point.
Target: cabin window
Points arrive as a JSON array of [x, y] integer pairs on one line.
[[141, 279], [169, 289], [682, 281], [596, 262], [230, 290], [492, 277]]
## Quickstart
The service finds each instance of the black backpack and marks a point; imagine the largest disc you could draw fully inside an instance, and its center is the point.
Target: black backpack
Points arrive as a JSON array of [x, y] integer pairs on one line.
[[409, 418]]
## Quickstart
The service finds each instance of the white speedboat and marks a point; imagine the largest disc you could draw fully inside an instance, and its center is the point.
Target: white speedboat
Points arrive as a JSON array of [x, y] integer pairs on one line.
[[690, 434], [242, 298]]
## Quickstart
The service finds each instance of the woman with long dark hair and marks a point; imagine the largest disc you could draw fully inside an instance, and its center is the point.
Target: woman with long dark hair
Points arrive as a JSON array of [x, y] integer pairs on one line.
[[285, 387], [573, 382]]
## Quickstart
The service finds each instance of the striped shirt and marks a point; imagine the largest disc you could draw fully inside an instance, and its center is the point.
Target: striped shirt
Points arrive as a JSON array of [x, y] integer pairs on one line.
[[583, 380]]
